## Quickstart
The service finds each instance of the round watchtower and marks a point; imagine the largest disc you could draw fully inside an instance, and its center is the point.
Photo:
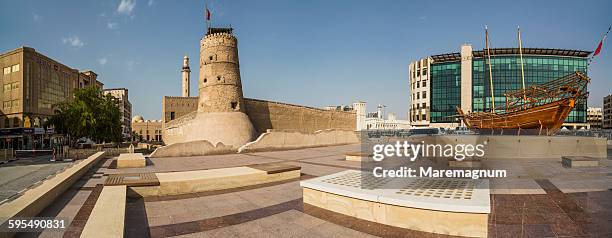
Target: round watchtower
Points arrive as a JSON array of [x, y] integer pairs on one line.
[[221, 115], [220, 85]]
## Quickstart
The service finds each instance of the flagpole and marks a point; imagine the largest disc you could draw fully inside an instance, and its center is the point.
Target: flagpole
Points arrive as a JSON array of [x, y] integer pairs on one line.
[[206, 14]]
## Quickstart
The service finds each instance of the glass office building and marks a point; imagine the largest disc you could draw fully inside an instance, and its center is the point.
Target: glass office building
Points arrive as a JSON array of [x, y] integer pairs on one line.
[[449, 71]]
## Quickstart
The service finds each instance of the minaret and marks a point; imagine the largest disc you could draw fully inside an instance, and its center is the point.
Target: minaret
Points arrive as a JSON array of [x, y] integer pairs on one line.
[[185, 76]]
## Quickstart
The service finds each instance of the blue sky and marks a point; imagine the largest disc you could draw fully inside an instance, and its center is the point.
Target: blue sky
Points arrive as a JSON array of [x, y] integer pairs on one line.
[[314, 53]]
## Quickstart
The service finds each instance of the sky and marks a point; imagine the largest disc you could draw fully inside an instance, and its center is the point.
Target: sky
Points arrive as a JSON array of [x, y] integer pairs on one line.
[[314, 53]]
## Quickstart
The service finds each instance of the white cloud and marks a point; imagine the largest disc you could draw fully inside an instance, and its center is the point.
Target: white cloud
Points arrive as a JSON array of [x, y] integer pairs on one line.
[[73, 41], [36, 17], [126, 7], [130, 64], [111, 25], [150, 3], [102, 61]]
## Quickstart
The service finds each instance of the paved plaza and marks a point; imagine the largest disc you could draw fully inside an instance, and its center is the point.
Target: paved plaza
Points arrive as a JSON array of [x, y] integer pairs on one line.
[[556, 203], [15, 176]]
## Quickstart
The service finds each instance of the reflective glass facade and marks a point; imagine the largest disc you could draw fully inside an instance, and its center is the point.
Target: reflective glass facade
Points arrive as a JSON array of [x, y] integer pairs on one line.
[[446, 82], [507, 77], [445, 91]]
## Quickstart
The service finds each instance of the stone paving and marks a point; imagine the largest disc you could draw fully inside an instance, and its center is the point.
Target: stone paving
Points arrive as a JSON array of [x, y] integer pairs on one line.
[[22, 173], [547, 205]]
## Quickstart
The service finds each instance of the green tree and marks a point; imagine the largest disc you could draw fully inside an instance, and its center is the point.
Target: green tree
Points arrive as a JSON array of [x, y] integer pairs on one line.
[[90, 114]]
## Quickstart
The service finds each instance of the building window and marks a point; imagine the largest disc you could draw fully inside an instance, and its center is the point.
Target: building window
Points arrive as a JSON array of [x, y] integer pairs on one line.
[[7, 87], [6, 104], [205, 80], [171, 115], [418, 95], [234, 105], [218, 78], [7, 70], [424, 94], [424, 83], [7, 122], [15, 68], [424, 105], [15, 122]]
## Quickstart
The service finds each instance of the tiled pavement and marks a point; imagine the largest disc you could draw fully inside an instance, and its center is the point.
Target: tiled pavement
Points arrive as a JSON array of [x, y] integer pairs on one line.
[[276, 209]]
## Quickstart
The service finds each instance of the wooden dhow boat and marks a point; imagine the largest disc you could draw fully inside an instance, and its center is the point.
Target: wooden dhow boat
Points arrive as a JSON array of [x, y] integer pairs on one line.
[[541, 108]]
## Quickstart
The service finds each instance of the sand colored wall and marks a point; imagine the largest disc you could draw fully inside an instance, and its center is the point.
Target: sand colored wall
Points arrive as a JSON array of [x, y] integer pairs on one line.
[[264, 115], [282, 116], [181, 106], [284, 140]]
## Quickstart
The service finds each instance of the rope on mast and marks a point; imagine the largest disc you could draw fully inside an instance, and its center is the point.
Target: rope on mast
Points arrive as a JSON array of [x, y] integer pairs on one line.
[[522, 67], [490, 69]]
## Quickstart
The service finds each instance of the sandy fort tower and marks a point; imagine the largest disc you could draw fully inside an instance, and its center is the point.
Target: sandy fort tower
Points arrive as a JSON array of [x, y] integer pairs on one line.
[[221, 115]]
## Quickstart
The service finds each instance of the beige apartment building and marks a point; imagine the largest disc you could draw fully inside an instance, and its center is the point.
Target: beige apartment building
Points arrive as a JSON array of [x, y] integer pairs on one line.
[[125, 107], [594, 117], [607, 112], [147, 130], [31, 84]]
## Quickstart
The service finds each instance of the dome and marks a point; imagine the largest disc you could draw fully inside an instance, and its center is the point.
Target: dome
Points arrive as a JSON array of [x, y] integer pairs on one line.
[[137, 118]]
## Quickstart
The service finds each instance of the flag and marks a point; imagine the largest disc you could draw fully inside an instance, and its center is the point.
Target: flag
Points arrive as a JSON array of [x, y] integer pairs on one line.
[[208, 14], [598, 50]]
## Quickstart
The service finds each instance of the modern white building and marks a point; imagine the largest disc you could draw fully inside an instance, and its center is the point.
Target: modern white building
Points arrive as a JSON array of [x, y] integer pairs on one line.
[[607, 112], [419, 88], [375, 120], [594, 117]]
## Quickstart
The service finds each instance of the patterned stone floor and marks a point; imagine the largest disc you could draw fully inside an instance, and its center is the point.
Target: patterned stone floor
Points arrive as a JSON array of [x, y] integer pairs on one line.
[[555, 202]]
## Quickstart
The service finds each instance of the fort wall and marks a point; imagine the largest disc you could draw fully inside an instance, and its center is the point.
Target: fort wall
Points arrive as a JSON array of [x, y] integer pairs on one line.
[[267, 115]]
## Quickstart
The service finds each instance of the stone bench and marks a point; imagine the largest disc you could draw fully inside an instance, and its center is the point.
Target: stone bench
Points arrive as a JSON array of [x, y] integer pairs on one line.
[[34, 200], [579, 161], [358, 156], [457, 207], [185, 182], [108, 215], [131, 160]]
